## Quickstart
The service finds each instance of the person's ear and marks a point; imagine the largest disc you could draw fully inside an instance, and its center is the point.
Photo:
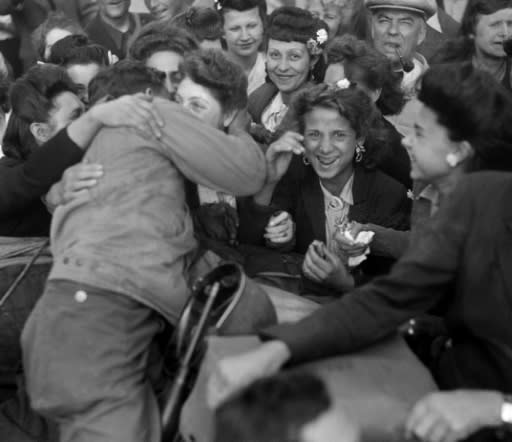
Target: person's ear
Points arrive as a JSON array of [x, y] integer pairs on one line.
[[229, 117], [40, 131], [149, 92], [375, 95], [313, 61], [423, 32], [464, 151]]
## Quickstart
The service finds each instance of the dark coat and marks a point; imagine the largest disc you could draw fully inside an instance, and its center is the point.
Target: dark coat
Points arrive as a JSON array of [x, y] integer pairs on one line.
[[463, 257], [378, 199], [24, 183]]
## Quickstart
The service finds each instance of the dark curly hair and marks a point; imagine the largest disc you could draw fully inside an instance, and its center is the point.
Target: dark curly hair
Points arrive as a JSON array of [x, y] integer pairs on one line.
[[352, 103], [174, 39], [203, 23], [31, 98], [126, 77], [271, 409], [462, 48], [289, 23], [473, 107], [224, 78], [54, 20], [363, 64], [78, 49]]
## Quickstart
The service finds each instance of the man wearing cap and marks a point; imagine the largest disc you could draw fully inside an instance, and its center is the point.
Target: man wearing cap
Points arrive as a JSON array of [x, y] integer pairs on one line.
[[397, 28]]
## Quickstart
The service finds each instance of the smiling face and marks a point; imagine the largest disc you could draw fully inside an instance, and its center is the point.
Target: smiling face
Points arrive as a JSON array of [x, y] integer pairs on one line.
[[114, 9], [167, 62], [428, 145], [394, 29], [288, 64], [330, 143], [159, 9], [243, 31], [201, 102], [491, 31]]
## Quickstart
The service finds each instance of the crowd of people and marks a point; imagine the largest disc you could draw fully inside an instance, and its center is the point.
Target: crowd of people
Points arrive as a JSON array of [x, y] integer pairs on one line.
[[359, 151]]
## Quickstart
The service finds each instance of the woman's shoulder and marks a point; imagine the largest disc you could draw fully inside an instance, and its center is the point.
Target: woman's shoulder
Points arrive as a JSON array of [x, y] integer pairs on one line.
[[379, 183], [260, 99]]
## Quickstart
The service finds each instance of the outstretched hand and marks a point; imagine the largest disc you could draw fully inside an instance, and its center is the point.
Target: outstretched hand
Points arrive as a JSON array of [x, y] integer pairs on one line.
[[453, 415], [238, 371]]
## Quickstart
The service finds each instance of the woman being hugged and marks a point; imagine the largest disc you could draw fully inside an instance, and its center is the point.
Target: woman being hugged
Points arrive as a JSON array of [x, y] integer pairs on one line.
[[339, 185], [294, 43]]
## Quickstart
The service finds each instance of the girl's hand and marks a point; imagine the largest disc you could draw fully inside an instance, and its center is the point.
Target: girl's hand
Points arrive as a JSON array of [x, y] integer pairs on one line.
[[279, 155], [280, 229], [324, 267]]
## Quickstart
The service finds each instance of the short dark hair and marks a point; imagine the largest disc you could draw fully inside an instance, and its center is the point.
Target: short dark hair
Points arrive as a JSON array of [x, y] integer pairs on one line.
[[124, 78], [54, 20], [272, 409], [473, 107], [203, 23], [78, 49], [362, 62], [224, 78], [31, 98], [243, 5], [290, 23], [174, 39]]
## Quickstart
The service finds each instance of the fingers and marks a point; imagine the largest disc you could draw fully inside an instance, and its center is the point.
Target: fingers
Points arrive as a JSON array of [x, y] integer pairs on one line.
[[314, 266], [289, 142], [280, 228]]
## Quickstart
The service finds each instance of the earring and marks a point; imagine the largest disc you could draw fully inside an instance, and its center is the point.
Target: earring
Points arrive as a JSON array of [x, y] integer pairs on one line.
[[360, 150], [452, 160], [305, 160]]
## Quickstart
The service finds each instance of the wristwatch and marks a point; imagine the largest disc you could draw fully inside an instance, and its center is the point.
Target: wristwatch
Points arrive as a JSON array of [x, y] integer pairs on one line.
[[506, 410]]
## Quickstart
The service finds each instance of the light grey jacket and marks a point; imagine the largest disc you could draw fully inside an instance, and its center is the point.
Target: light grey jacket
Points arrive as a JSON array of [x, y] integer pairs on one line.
[[135, 235]]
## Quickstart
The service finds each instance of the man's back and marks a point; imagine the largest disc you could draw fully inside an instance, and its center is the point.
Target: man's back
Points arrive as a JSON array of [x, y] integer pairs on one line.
[[135, 235]]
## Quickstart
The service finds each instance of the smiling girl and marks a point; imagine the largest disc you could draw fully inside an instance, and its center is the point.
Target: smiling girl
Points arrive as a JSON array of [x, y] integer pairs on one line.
[[338, 185]]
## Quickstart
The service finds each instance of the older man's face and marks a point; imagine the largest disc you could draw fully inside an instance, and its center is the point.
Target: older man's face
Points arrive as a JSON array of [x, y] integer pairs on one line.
[[393, 29]]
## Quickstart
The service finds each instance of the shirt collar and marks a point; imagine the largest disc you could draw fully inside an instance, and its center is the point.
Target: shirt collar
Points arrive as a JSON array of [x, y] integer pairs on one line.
[[345, 195]]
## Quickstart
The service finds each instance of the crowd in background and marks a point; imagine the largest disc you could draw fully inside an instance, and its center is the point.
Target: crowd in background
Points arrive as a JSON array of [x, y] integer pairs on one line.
[[358, 149]]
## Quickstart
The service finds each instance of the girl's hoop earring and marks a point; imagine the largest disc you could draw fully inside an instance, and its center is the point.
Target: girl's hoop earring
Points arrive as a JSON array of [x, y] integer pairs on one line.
[[360, 150]]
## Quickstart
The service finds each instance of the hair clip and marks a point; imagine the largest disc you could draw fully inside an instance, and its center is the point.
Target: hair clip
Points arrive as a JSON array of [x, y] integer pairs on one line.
[[314, 45]]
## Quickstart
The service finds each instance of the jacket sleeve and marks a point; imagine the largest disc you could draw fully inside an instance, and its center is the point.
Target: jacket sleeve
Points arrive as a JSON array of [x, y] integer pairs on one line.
[[375, 310], [207, 156], [25, 182]]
